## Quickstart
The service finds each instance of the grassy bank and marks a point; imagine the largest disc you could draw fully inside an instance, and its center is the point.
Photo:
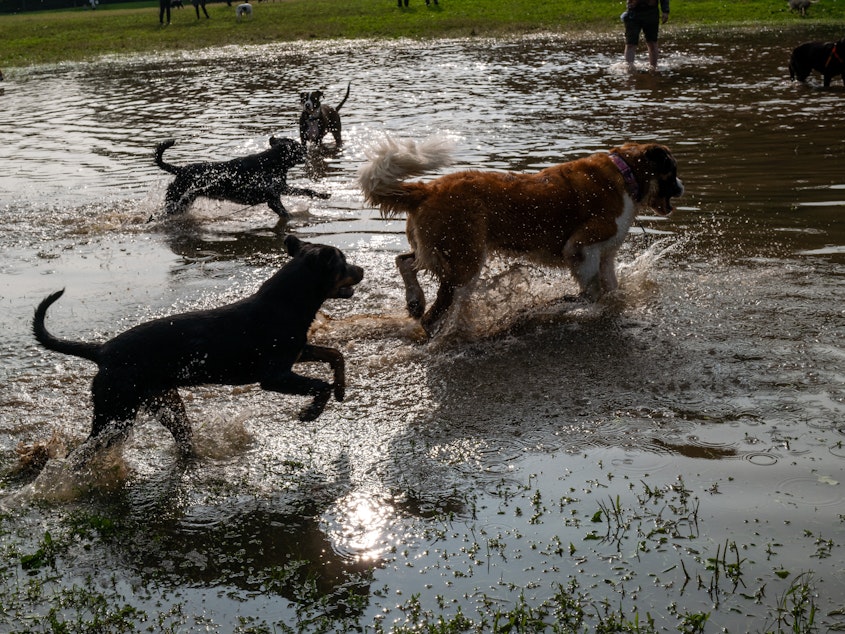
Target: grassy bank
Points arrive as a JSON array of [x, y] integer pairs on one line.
[[80, 34]]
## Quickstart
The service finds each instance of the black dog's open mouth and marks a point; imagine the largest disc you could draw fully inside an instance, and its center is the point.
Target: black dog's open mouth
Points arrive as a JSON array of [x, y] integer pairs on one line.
[[344, 292], [346, 287]]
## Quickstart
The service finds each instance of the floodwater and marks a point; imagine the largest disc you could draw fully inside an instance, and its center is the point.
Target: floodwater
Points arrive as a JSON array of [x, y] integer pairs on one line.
[[673, 452]]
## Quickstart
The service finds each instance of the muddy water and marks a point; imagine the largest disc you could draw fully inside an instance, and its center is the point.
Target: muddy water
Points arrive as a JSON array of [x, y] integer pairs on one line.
[[704, 402]]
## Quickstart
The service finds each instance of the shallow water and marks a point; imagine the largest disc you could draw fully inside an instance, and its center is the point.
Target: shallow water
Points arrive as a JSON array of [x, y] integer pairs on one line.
[[705, 401]]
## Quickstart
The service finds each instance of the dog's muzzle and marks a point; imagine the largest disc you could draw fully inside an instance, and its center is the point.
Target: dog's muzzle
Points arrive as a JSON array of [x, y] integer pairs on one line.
[[345, 288], [668, 189]]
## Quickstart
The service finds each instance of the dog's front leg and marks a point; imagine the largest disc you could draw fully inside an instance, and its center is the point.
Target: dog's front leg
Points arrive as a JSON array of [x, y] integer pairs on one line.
[[291, 383], [301, 191], [275, 203], [607, 271], [335, 360], [583, 255], [414, 296]]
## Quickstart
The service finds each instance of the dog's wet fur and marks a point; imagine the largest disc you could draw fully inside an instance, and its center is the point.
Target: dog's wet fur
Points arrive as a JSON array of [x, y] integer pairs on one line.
[[574, 215], [317, 119], [827, 58], [247, 180], [255, 340]]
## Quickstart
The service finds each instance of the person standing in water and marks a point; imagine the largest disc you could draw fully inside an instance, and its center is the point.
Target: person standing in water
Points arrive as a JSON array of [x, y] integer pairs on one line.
[[644, 16]]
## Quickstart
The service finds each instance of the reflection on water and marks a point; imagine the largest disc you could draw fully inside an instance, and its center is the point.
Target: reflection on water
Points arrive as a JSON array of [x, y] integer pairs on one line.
[[479, 457]]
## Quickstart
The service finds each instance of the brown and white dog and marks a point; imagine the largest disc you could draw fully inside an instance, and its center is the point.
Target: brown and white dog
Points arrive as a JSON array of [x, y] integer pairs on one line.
[[572, 215]]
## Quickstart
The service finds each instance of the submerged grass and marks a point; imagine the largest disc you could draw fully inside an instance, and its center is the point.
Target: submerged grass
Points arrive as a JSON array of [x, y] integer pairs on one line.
[[47, 583], [80, 34]]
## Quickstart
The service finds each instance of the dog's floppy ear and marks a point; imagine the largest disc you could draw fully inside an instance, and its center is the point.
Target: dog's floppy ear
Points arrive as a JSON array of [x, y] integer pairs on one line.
[[661, 158], [293, 245], [331, 258]]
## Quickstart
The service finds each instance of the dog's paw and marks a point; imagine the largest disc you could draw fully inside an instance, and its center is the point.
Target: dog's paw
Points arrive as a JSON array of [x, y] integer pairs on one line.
[[324, 195], [339, 392], [415, 308], [313, 411], [310, 413]]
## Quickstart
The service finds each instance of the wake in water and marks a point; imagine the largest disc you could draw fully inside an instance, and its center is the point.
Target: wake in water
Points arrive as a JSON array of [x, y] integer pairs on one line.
[[47, 466], [507, 296]]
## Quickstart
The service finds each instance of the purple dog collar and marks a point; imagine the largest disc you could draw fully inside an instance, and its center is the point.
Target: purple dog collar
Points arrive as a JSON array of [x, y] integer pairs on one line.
[[628, 175]]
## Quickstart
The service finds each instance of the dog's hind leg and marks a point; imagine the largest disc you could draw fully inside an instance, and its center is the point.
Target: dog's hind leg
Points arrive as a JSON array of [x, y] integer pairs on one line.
[[335, 130], [442, 303], [414, 296], [169, 409], [114, 412], [455, 273], [177, 200]]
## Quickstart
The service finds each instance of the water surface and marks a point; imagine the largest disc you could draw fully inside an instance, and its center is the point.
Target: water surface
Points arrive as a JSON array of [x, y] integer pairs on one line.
[[705, 401]]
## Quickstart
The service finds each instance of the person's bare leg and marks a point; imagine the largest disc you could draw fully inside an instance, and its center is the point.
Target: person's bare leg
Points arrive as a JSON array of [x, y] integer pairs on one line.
[[652, 54]]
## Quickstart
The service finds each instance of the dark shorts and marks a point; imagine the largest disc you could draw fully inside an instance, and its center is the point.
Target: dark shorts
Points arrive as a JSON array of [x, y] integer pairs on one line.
[[645, 20]]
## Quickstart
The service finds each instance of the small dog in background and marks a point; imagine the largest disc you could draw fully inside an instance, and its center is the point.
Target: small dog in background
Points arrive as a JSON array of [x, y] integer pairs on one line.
[[800, 6], [243, 10], [255, 340], [317, 119], [248, 180], [828, 58]]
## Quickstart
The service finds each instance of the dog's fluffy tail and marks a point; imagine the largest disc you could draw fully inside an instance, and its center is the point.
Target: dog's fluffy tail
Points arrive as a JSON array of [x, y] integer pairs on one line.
[[90, 351], [391, 161], [160, 148]]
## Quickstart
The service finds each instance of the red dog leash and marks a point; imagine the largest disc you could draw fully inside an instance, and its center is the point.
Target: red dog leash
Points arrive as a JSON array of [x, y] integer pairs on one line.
[[833, 53]]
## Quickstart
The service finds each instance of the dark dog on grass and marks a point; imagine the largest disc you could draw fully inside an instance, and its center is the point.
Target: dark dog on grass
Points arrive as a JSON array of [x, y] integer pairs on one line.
[[255, 340], [828, 58], [248, 180]]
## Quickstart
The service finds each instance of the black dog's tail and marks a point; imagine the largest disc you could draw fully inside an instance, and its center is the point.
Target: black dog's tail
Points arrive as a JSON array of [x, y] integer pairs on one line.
[[160, 148], [90, 351], [345, 97]]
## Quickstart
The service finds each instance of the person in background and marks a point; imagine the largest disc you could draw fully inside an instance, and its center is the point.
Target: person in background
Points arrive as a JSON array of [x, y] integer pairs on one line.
[[197, 4], [644, 16], [163, 7]]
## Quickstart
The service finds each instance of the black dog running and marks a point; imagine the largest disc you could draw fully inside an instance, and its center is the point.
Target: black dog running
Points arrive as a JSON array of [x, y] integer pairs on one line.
[[255, 340]]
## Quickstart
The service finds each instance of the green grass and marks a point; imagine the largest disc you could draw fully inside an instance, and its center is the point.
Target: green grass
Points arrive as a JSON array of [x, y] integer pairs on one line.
[[81, 34]]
